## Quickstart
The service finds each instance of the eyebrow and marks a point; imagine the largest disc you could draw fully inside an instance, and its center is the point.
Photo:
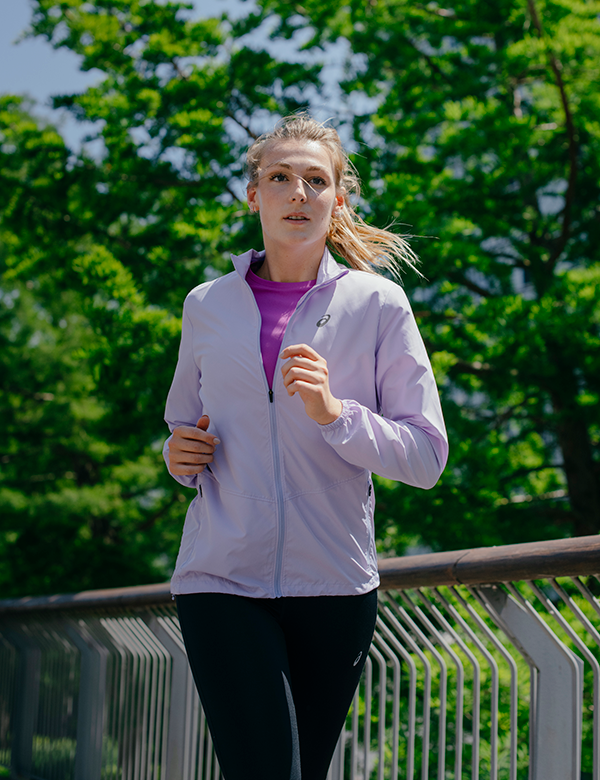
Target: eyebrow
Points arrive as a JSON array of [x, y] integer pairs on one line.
[[287, 165]]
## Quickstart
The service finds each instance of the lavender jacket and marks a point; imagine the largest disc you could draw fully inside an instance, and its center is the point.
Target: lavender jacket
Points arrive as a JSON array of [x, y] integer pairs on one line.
[[286, 507]]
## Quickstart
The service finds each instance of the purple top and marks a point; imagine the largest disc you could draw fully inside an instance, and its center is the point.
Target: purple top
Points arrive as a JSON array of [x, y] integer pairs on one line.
[[276, 302]]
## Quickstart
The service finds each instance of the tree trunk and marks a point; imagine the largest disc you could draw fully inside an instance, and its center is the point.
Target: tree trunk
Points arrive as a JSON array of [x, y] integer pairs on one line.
[[578, 463]]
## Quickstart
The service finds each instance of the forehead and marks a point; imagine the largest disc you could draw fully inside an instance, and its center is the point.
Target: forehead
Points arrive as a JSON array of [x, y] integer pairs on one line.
[[301, 154]]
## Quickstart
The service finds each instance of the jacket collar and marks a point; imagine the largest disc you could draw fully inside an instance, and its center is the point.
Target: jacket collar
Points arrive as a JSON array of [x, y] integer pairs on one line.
[[329, 269]]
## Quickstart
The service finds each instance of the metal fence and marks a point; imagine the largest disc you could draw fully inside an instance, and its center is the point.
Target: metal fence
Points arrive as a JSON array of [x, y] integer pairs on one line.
[[484, 665]]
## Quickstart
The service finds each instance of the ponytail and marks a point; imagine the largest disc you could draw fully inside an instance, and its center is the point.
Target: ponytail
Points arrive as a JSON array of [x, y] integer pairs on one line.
[[368, 248]]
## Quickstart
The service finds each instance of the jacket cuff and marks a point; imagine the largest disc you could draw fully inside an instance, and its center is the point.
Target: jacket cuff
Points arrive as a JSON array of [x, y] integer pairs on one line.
[[341, 420]]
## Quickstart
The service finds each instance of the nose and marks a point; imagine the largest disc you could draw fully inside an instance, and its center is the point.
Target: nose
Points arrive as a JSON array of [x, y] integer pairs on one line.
[[299, 190]]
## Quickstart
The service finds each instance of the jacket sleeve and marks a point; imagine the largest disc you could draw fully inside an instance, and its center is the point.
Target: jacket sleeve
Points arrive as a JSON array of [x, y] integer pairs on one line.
[[183, 402], [406, 440]]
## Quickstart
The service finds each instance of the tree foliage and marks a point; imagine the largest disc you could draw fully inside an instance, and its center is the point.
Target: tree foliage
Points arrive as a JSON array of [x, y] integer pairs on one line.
[[482, 130], [478, 125]]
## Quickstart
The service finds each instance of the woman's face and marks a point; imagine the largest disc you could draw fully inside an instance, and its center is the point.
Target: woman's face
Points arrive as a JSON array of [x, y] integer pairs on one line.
[[295, 193]]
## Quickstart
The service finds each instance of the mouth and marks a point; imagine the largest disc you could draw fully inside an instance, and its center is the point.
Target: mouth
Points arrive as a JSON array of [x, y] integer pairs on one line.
[[296, 218]]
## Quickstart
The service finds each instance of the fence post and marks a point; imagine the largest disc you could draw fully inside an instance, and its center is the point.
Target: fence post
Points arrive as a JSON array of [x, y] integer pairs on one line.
[[336, 768], [27, 692], [90, 706], [556, 687], [182, 726]]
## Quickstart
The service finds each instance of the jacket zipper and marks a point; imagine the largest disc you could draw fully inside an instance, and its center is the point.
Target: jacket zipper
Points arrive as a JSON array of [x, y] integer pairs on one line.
[[275, 443], [279, 494]]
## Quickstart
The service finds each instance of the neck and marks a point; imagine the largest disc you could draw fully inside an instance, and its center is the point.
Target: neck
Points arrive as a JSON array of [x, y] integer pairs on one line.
[[291, 264]]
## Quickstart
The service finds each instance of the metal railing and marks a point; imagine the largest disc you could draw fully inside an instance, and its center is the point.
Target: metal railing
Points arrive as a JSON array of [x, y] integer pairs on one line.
[[484, 665]]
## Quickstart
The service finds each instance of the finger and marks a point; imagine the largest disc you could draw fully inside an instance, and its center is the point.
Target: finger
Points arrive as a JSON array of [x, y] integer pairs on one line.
[[294, 363], [203, 422], [316, 367], [303, 388], [301, 350], [304, 362], [193, 459], [197, 434], [188, 445], [298, 374], [188, 461]]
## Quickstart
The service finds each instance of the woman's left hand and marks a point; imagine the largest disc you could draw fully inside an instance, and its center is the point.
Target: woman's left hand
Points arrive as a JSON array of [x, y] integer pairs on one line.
[[306, 373]]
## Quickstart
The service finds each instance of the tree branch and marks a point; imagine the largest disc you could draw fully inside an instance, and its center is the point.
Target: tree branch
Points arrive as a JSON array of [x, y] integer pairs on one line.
[[556, 67], [232, 193], [473, 286], [433, 65], [178, 70], [507, 414], [231, 115]]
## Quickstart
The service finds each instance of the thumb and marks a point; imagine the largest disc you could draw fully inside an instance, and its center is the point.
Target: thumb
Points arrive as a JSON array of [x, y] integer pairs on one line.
[[203, 422]]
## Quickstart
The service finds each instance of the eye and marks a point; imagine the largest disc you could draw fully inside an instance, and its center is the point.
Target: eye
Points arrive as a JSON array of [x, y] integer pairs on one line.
[[318, 181], [278, 177]]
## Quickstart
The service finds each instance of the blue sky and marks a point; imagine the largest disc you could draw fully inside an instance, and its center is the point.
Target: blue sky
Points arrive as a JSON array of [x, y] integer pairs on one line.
[[32, 67]]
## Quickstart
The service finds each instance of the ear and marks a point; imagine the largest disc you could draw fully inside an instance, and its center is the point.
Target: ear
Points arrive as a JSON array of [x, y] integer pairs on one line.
[[251, 195], [339, 203]]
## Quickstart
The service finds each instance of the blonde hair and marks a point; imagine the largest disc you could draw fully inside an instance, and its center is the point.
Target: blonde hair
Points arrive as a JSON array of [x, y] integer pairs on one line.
[[362, 246]]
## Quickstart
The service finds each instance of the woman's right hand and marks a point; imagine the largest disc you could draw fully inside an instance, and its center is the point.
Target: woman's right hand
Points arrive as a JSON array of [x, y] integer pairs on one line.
[[190, 449]]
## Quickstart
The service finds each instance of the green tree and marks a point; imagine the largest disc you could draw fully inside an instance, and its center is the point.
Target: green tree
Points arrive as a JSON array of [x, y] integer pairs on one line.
[[482, 130], [81, 504]]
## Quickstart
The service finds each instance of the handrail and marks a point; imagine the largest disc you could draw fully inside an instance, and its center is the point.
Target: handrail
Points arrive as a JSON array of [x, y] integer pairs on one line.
[[488, 565], [134, 596], [479, 566]]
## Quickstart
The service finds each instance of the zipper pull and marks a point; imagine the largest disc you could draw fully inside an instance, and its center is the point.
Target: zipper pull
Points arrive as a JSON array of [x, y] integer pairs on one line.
[[270, 395]]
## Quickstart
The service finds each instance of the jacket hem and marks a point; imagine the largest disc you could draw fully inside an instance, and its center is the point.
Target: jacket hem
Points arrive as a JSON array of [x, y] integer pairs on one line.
[[206, 583]]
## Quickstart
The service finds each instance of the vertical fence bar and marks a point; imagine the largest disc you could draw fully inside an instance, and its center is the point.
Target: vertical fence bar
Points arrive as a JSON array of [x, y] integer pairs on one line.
[[92, 694], [381, 724], [476, 708], [8, 674], [460, 676], [178, 735], [591, 630], [412, 695], [479, 595], [26, 700], [414, 648], [388, 654], [494, 697], [442, 684], [558, 688], [368, 689]]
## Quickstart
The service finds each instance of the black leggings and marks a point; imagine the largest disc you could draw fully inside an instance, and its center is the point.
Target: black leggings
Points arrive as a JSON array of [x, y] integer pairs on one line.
[[276, 677]]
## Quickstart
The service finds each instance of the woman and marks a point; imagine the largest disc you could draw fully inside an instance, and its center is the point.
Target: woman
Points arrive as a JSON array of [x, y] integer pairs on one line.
[[297, 377]]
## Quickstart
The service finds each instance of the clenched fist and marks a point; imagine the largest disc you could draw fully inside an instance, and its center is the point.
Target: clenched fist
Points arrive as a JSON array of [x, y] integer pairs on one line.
[[191, 449]]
